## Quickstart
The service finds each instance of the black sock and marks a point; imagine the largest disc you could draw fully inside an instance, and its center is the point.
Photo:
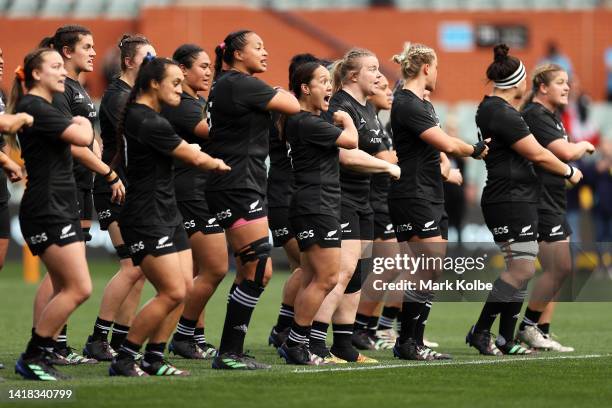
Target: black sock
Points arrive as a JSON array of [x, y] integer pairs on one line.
[[318, 334], [530, 319], [544, 327], [239, 310], [489, 313], [154, 352], [372, 325], [507, 321], [101, 329], [232, 288], [285, 318], [119, 335], [342, 335], [420, 326], [410, 316], [198, 335], [185, 329], [361, 321], [385, 322], [343, 346], [128, 350], [62, 340], [297, 335], [37, 345]]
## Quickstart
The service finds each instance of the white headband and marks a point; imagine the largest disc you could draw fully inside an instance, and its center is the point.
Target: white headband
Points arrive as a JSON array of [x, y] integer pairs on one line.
[[513, 79]]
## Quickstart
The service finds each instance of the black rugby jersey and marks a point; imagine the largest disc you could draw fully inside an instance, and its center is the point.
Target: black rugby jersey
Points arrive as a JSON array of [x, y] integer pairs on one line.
[[280, 176], [76, 102], [419, 161], [510, 176], [239, 131], [150, 199], [547, 127], [315, 161], [189, 182], [50, 194], [111, 108], [355, 185], [381, 182]]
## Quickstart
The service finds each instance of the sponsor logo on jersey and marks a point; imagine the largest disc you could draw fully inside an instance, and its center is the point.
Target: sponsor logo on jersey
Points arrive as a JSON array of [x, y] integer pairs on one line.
[[389, 227], [403, 227], [376, 140], [526, 231], [104, 214], [344, 226], [280, 232], [428, 226], [137, 247], [38, 238], [78, 98], [66, 232], [332, 236], [211, 221], [376, 131], [190, 224], [254, 207], [500, 230], [305, 234], [224, 214], [163, 242], [555, 231]]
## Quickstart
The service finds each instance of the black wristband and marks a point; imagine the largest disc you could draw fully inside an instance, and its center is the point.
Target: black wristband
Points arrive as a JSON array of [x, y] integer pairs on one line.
[[109, 173], [114, 181], [478, 149], [571, 173]]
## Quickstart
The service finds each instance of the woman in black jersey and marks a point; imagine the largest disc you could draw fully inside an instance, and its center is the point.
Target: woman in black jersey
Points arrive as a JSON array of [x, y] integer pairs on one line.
[[9, 124], [550, 89], [278, 195], [355, 79], [122, 293], [315, 205], [150, 221], [416, 201], [206, 237], [48, 214], [366, 322], [509, 200], [239, 121], [75, 44]]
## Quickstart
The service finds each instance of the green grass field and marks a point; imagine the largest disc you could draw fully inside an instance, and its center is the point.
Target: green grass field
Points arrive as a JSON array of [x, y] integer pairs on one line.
[[545, 380]]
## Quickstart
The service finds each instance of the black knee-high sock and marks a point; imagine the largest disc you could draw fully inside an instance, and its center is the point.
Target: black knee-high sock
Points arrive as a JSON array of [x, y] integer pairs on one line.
[[199, 336], [507, 321], [420, 326], [185, 329], [285, 318], [62, 340], [361, 321], [101, 329], [388, 315], [38, 345], [372, 325], [128, 350], [318, 335], [119, 335], [410, 316], [298, 335], [501, 294], [154, 352], [239, 310], [530, 319]]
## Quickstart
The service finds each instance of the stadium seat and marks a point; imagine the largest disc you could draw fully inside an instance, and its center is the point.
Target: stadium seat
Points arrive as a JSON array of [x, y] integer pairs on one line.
[[56, 8], [23, 8], [411, 4], [88, 8], [122, 9]]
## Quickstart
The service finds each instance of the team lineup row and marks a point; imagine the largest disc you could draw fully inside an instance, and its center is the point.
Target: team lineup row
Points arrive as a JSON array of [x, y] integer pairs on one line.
[[178, 178]]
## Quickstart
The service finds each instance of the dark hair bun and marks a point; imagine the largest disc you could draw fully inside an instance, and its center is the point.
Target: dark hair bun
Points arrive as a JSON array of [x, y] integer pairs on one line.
[[500, 53]]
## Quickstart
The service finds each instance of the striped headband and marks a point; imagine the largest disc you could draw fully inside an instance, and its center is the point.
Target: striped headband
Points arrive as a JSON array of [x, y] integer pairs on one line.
[[511, 81]]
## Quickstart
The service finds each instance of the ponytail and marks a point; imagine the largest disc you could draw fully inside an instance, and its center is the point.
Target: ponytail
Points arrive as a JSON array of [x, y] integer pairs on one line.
[[342, 68], [224, 52], [65, 36]]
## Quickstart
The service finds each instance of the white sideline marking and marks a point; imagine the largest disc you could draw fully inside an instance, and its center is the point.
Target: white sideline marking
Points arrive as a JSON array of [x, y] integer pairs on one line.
[[448, 363]]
